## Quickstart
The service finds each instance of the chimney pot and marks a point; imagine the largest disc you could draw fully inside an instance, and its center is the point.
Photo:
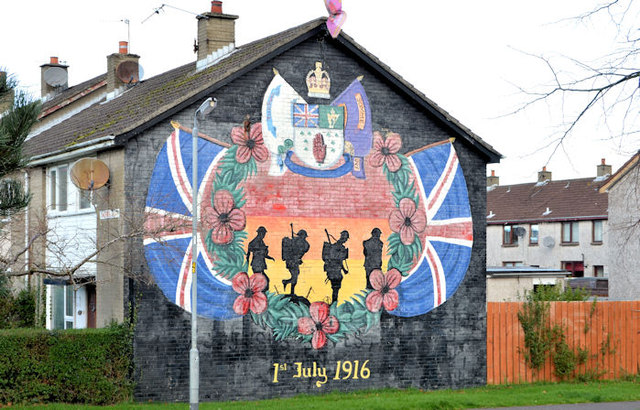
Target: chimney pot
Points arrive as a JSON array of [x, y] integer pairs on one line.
[[216, 7], [123, 47], [215, 32], [544, 175], [493, 179], [53, 60], [603, 169]]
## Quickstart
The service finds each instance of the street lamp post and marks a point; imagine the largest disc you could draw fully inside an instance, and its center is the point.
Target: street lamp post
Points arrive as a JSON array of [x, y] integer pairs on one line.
[[194, 368]]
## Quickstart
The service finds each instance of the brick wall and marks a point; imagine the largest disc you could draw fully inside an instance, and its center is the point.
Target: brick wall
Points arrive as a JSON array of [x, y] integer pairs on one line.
[[445, 348]]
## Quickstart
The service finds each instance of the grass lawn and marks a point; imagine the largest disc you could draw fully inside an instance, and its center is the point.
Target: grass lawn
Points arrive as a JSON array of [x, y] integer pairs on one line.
[[491, 396]]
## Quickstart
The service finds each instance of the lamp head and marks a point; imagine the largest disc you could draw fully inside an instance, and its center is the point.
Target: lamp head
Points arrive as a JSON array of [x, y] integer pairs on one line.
[[206, 107]]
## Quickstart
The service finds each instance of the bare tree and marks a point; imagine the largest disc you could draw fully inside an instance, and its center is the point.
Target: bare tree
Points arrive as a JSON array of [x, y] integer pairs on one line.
[[607, 87]]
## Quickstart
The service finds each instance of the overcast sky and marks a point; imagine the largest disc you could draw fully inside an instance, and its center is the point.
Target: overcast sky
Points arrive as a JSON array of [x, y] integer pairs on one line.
[[470, 57]]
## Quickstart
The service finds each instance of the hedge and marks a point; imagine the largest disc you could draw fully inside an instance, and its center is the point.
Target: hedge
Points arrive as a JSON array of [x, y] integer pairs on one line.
[[88, 366]]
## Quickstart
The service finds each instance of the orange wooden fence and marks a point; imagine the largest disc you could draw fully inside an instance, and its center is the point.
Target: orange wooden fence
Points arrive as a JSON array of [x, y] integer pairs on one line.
[[610, 332]]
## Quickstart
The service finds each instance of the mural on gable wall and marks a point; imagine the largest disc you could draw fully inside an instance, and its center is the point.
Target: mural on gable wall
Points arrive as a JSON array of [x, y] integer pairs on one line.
[[312, 223]]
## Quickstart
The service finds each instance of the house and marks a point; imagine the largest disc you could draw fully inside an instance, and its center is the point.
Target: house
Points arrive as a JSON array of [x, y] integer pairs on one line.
[[313, 141], [512, 283], [550, 224], [624, 213]]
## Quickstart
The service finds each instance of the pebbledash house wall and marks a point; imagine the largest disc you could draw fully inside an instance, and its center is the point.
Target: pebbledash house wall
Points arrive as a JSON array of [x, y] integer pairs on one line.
[[445, 348]]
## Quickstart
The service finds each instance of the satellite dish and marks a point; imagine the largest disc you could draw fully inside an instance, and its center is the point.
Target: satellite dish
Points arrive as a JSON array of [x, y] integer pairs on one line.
[[519, 231], [55, 76], [89, 173], [128, 72], [548, 242]]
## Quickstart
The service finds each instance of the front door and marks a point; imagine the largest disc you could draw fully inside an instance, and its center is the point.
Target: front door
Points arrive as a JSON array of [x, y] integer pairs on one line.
[[91, 306]]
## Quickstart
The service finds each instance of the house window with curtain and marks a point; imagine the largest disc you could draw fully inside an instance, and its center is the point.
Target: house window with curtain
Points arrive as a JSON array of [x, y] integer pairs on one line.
[[63, 196], [533, 234], [570, 233], [509, 238], [596, 236]]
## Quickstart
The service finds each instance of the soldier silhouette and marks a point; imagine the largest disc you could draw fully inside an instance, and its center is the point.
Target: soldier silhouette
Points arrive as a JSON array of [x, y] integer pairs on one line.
[[334, 256], [260, 253], [293, 249], [372, 254]]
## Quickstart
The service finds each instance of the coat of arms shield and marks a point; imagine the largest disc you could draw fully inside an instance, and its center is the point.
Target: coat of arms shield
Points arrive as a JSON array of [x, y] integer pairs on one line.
[[318, 134]]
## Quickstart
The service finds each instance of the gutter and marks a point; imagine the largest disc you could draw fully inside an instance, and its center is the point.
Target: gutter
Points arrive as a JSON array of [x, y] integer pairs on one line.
[[68, 153], [540, 220]]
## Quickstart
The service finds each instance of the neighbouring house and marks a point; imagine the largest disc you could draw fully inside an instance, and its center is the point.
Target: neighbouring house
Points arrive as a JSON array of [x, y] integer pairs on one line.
[[557, 225], [512, 283], [341, 218], [63, 212], [623, 190]]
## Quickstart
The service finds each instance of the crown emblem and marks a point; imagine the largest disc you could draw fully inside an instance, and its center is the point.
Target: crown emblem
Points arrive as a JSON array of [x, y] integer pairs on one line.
[[318, 82]]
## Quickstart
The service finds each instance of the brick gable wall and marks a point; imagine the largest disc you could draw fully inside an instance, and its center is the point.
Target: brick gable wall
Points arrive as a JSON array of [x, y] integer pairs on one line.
[[444, 348]]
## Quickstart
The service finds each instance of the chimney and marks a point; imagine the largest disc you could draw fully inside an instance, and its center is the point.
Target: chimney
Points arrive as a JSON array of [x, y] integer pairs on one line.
[[53, 77], [544, 175], [603, 169], [493, 179], [216, 31], [7, 93], [122, 69]]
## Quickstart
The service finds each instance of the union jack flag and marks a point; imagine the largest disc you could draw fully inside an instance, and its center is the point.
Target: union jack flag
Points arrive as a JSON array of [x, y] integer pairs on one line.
[[447, 249], [305, 115], [168, 241]]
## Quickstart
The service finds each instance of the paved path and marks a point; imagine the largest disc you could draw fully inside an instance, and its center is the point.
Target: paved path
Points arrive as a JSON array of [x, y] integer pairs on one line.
[[628, 405]]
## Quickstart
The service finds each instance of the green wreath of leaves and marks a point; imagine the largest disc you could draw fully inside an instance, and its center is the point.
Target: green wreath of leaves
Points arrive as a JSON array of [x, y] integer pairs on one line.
[[401, 256], [282, 315]]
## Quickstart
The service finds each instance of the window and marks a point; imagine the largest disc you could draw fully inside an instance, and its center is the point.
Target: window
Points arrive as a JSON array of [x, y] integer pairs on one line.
[[509, 236], [542, 288], [597, 232], [511, 264], [598, 271], [570, 232], [63, 195], [533, 234], [58, 188]]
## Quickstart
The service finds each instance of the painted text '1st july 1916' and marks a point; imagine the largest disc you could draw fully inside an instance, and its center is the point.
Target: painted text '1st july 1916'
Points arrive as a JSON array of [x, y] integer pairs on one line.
[[343, 370]]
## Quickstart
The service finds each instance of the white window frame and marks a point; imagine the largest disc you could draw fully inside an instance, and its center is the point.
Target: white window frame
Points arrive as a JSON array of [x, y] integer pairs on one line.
[[73, 197], [74, 298]]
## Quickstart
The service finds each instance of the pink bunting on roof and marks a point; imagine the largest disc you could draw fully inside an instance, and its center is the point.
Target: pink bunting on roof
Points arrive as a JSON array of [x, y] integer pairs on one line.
[[337, 17]]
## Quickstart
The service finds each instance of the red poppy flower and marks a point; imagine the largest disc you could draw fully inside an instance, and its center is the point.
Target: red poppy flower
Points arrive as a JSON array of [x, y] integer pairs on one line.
[[385, 151], [224, 218], [384, 293], [249, 144], [407, 220], [250, 290], [319, 324]]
